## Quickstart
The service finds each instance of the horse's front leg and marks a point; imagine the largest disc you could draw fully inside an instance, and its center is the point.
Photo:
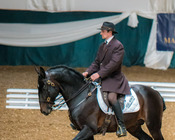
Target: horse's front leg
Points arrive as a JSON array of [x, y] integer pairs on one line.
[[85, 134]]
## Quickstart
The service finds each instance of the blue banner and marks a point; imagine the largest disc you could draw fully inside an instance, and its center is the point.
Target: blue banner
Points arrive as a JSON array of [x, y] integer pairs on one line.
[[166, 32]]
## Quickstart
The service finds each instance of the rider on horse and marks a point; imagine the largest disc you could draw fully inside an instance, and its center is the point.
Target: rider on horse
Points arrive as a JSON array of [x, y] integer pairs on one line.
[[107, 66]]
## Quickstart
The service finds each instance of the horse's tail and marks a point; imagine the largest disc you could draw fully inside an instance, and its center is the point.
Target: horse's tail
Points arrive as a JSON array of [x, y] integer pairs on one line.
[[164, 106]]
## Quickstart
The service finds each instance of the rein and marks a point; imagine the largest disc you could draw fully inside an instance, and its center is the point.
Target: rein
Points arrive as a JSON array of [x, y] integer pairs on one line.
[[89, 94], [60, 104]]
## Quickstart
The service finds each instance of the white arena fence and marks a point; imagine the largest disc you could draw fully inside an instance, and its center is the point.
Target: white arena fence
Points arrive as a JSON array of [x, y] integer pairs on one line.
[[28, 98]]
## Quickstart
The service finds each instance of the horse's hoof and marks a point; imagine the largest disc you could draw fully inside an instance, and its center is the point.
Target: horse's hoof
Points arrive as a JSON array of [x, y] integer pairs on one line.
[[73, 127]]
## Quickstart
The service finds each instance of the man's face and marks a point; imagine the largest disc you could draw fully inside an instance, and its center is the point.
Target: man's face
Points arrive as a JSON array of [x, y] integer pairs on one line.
[[105, 34]]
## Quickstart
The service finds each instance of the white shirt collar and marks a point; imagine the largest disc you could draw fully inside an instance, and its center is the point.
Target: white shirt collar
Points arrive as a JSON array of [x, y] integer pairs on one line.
[[109, 39]]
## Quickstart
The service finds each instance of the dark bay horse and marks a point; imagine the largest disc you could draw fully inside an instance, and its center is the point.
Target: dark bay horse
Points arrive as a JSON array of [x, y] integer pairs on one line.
[[84, 110]]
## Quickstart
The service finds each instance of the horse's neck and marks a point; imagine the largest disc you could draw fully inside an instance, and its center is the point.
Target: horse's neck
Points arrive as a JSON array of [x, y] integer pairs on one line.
[[70, 81], [79, 96], [71, 93], [71, 86]]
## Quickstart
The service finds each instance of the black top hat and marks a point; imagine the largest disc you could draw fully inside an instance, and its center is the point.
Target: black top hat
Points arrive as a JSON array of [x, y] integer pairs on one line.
[[108, 26]]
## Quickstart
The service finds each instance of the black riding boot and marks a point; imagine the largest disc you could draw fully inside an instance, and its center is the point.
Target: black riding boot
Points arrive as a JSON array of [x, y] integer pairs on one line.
[[121, 130]]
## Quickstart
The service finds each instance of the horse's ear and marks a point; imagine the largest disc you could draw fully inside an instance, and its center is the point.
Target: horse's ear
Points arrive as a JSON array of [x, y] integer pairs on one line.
[[37, 70], [42, 73]]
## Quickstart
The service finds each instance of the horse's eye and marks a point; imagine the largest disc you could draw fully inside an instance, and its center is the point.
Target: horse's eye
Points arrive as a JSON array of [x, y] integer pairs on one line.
[[48, 99]]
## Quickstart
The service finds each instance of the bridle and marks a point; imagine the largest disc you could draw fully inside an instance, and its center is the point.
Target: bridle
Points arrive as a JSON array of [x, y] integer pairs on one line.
[[48, 100]]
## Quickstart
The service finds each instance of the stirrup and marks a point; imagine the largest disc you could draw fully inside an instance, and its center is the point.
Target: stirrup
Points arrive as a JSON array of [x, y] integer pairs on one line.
[[121, 132]]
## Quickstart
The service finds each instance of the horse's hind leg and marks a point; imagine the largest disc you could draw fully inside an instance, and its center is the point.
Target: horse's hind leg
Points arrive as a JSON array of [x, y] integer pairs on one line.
[[155, 130], [154, 123], [137, 132]]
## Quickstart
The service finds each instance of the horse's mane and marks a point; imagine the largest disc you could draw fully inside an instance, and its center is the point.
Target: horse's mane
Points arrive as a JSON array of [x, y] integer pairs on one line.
[[66, 68]]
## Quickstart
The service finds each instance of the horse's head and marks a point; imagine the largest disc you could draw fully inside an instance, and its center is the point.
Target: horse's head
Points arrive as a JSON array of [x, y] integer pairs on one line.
[[48, 90], [58, 79]]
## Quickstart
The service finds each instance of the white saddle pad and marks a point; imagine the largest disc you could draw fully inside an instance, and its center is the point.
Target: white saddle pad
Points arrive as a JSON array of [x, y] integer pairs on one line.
[[131, 103]]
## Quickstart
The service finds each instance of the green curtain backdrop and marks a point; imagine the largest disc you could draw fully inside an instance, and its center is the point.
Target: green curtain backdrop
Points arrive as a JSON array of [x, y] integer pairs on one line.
[[172, 65], [80, 53]]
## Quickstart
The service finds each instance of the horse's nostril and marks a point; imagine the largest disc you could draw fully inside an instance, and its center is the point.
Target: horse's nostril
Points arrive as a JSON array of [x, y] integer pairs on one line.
[[45, 113]]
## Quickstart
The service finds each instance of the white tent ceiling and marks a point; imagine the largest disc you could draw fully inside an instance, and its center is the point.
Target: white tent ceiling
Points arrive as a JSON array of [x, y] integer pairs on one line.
[[91, 5]]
